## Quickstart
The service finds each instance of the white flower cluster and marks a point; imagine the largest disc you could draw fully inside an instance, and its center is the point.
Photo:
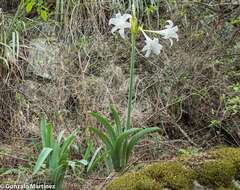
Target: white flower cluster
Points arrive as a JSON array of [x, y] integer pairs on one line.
[[120, 23]]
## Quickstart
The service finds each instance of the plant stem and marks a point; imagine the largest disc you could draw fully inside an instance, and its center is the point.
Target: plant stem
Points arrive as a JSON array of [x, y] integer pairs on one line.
[[132, 77]]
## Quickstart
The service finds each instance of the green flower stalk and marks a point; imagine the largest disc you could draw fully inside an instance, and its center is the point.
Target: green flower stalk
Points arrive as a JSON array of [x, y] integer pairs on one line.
[[134, 31]]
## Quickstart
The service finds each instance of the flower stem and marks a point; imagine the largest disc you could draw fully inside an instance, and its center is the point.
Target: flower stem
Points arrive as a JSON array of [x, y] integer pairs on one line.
[[132, 77]]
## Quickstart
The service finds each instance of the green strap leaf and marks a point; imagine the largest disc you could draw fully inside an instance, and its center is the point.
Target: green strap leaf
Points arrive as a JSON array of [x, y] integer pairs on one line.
[[124, 136], [118, 154], [67, 143], [54, 160], [103, 137], [43, 126], [116, 119], [42, 157], [104, 121], [88, 151], [135, 138], [60, 137], [49, 135], [92, 162]]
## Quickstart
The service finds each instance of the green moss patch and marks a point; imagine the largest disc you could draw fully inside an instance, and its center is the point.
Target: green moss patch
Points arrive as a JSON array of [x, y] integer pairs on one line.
[[217, 173], [215, 169], [232, 154], [172, 175], [134, 181]]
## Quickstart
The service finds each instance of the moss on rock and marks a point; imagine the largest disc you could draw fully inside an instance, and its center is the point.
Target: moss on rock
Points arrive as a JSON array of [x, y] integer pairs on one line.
[[232, 154], [172, 175], [216, 169], [217, 173], [227, 188], [134, 181]]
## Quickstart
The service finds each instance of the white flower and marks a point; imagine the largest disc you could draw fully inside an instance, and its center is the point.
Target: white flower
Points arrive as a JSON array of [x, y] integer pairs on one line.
[[151, 45], [120, 22], [170, 32]]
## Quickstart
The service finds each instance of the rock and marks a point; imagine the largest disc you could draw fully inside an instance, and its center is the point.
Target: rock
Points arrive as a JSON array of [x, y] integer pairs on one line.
[[44, 58]]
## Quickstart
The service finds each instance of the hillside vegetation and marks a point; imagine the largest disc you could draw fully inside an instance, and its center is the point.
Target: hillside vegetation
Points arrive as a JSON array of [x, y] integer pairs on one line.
[[81, 105]]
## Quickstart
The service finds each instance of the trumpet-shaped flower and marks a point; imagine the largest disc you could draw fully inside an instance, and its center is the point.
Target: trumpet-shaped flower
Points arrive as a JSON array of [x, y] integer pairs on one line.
[[120, 22], [151, 45], [170, 32]]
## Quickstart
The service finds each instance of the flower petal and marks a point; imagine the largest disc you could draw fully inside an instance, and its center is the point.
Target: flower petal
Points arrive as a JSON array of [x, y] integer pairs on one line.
[[170, 24], [114, 29], [112, 21], [126, 25], [127, 16], [145, 48], [148, 53], [156, 47], [171, 42], [121, 32]]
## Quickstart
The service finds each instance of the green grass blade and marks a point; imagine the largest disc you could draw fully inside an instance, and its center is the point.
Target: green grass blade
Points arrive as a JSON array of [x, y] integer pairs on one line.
[[116, 119], [104, 121], [67, 143], [60, 137], [92, 162], [135, 138], [103, 137], [54, 160], [43, 125], [42, 157], [88, 151], [49, 135]]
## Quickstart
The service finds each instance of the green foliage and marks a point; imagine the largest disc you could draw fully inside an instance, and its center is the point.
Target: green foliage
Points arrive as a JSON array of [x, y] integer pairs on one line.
[[215, 123], [39, 5], [119, 141], [56, 153], [188, 151], [91, 155], [150, 9], [94, 160], [233, 102]]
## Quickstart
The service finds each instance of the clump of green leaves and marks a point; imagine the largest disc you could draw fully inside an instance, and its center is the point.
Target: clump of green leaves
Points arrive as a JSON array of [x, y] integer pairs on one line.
[[91, 155], [56, 153], [40, 6], [233, 102], [119, 140]]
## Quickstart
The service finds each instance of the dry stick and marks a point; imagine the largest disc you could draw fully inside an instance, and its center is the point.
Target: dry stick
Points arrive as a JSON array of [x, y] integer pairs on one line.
[[17, 158], [186, 135]]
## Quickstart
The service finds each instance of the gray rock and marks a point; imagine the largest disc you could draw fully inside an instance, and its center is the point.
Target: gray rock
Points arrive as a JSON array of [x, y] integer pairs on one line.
[[44, 58]]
